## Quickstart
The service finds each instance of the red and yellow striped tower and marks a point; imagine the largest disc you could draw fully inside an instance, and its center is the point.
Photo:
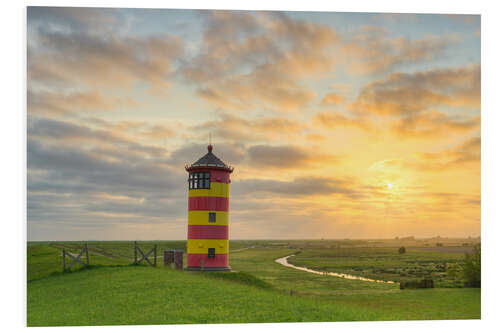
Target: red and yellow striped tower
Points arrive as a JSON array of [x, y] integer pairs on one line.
[[208, 214]]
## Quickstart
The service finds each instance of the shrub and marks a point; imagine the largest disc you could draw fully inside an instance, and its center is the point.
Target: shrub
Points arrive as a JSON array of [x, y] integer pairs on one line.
[[472, 267], [402, 250], [416, 284], [441, 267], [452, 271]]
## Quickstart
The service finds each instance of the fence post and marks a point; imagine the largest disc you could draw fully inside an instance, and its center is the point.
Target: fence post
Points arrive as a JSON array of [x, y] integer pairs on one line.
[[64, 260], [178, 259], [155, 256], [87, 252], [202, 266], [135, 252]]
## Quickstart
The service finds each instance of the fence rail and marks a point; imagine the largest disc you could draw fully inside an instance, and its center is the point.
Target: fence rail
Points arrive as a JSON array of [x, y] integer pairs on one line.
[[70, 259], [145, 257], [75, 259]]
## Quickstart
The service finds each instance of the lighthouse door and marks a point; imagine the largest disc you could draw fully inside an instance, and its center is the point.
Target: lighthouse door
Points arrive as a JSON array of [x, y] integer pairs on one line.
[[211, 252]]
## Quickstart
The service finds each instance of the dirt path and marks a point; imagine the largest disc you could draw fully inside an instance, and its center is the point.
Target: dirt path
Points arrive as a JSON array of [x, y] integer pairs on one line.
[[284, 261]]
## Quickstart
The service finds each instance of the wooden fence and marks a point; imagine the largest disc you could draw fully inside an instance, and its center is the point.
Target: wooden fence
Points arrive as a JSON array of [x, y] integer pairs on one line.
[[140, 255], [173, 257], [137, 250], [75, 259]]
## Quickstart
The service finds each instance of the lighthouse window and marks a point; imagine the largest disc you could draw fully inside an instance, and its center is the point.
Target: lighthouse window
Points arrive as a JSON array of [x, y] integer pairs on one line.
[[211, 252], [199, 180], [211, 217]]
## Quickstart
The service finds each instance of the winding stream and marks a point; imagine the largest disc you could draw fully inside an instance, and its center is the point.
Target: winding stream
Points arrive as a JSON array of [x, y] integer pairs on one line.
[[284, 261]]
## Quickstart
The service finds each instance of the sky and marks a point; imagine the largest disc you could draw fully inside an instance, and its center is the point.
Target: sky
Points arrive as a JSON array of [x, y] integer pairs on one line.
[[338, 125]]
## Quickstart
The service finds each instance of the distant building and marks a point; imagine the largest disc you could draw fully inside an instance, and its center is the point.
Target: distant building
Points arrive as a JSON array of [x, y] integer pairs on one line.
[[208, 214]]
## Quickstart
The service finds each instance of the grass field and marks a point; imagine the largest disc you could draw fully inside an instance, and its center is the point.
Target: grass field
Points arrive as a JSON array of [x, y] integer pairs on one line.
[[384, 263], [114, 292]]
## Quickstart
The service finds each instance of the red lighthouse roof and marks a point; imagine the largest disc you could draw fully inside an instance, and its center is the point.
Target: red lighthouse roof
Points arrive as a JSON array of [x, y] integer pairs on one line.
[[209, 160]]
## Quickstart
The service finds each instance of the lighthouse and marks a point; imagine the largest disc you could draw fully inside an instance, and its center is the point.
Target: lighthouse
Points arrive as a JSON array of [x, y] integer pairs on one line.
[[208, 214]]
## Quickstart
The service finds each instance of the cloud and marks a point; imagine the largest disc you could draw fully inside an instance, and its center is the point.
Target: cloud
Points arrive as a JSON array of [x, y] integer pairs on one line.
[[235, 128], [434, 123], [61, 131], [286, 157], [157, 132], [254, 156], [336, 119], [465, 18], [372, 51], [333, 99], [403, 94], [107, 143], [94, 167], [88, 101], [315, 137], [78, 175], [397, 17], [136, 129], [464, 156], [423, 125], [190, 153], [468, 151], [298, 187], [95, 173], [95, 181], [81, 58], [251, 60], [97, 20]]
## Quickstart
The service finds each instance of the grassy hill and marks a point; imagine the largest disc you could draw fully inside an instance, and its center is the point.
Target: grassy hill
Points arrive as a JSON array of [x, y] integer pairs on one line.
[[114, 292], [141, 295]]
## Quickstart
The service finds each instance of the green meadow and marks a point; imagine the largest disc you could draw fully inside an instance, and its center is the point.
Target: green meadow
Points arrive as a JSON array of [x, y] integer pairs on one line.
[[113, 291], [385, 263]]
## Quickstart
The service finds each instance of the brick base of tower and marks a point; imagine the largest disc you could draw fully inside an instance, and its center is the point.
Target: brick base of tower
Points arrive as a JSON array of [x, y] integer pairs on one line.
[[198, 262]]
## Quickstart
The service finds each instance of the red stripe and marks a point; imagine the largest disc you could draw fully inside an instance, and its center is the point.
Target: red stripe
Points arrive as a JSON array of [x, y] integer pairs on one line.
[[219, 176], [208, 232], [208, 203], [220, 260]]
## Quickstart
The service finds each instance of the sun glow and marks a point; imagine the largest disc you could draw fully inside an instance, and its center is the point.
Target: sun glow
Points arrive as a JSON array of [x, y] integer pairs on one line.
[[389, 186]]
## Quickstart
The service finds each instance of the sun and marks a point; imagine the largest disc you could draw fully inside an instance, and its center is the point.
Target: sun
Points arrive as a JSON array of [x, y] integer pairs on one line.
[[389, 186]]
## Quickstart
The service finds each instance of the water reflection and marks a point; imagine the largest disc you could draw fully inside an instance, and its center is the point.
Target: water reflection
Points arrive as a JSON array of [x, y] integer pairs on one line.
[[284, 262]]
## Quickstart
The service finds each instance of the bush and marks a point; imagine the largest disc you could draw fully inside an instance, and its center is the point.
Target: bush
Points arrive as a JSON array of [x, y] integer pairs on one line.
[[416, 284], [472, 268], [402, 250], [452, 271], [441, 267]]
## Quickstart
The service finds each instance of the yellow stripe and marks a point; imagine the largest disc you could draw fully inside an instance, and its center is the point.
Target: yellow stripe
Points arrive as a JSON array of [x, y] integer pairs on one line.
[[216, 190], [201, 246], [200, 217]]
